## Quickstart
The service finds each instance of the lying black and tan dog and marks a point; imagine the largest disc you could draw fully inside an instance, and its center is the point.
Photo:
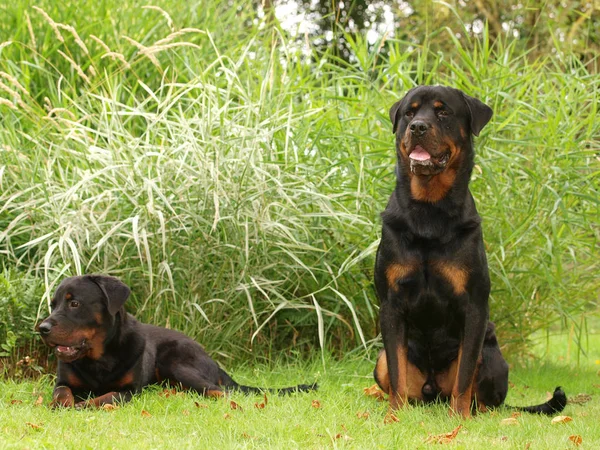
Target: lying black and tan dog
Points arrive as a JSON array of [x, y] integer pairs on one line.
[[106, 355], [431, 272]]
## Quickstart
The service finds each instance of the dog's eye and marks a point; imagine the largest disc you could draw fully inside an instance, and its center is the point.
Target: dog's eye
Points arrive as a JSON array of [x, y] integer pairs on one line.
[[74, 304], [442, 112], [409, 113]]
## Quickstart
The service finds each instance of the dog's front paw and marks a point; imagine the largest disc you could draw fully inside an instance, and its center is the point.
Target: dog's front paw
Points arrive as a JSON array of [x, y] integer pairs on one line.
[[62, 398]]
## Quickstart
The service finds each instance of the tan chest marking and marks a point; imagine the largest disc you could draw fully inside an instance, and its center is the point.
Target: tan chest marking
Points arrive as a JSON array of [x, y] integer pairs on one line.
[[455, 274], [398, 271]]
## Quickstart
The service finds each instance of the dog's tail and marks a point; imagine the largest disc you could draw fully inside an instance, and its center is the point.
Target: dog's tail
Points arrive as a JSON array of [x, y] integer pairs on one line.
[[553, 406], [230, 385]]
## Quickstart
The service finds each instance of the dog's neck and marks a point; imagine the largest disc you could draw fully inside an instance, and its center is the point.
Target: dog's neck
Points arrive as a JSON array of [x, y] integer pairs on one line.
[[434, 220]]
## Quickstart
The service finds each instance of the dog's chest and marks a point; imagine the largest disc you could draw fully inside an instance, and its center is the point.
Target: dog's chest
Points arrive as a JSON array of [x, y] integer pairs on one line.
[[427, 283]]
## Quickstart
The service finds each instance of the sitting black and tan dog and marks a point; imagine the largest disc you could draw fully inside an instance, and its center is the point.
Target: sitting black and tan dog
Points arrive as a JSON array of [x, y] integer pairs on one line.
[[431, 272], [106, 355]]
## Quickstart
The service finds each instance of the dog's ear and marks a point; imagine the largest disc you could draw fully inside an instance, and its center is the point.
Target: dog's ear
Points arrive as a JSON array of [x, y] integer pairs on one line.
[[394, 110], [480, 113], [115, 291]]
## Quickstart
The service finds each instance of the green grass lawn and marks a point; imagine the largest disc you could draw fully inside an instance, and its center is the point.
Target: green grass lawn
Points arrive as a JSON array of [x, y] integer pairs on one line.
[[186, 420]]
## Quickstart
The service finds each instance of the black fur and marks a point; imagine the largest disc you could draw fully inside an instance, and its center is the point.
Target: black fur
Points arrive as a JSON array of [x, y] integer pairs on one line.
[[431, 273], [106, 354]]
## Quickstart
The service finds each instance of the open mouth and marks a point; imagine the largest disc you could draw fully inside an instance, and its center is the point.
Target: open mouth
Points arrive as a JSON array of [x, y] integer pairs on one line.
[[69, 353], [424, 163]]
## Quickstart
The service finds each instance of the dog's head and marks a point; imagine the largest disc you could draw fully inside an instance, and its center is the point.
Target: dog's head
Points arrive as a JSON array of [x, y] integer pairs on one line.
[[433, 127], [83, 313]]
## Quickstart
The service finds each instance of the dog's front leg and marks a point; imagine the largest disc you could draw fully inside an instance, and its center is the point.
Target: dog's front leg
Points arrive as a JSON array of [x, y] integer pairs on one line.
[[106, 399], [469, 352], [62, 397], [395, 342]]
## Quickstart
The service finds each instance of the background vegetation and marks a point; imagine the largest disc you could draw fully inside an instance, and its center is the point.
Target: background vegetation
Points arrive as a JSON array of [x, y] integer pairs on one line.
[[232, 170]]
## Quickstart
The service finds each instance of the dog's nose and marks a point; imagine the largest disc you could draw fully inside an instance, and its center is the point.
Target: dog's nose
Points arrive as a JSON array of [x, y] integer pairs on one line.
[[44, 327], [418, 127]]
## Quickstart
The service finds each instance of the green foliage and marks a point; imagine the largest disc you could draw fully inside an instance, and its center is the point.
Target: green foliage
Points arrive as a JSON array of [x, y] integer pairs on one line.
[[236, 186], [19, 300]]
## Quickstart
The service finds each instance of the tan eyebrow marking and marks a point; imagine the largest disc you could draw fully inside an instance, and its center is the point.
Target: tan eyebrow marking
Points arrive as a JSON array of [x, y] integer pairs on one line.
[[438, 104], [414, 105]]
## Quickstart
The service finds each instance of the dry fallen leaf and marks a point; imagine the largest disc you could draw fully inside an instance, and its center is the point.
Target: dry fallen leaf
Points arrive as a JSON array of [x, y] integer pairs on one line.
[[342, 436], [390, 417], [516, 414], [562, 419], [374, 391], [316, 404], [33, 425], [234, 405], [200, 405], [509, 421], [185, 412], [109, 407], [580, 399], [168, 392], [247, 436], [16, 402], [445, 438], [576, 439], [226, 416], [362, 414], [146, 413], [263, 404], [39, 401]]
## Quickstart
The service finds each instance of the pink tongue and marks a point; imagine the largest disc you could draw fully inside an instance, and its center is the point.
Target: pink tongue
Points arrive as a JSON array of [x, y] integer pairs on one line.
[[419, 154]]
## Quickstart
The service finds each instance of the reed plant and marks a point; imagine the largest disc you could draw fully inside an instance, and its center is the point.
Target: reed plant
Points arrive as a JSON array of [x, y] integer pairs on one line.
[[233, 177]]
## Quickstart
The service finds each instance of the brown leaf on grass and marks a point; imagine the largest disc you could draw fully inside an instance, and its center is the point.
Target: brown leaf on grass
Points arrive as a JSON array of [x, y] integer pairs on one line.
[[247, 436], [146, 413], [16, 402], [509, 421], [166, 393], [39, 401], [226, 416], [580, 399], [342, 436], [362, 414], [390, 417], [234, 405], [109, 407], [527, 446], [562, 419], [185, 412], [263, 404], [33, 425], [200, 405], [445, 438], [374, 391], [576, 439], [516, 414], [316, 404]]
